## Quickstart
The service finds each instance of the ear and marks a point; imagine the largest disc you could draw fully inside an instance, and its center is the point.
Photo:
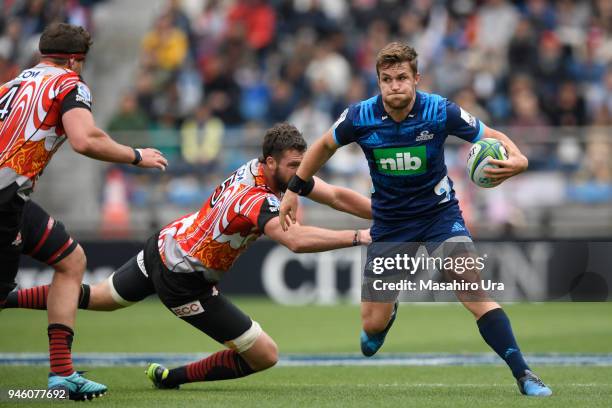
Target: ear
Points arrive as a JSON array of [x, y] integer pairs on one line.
[[271, 162], [417, 78]]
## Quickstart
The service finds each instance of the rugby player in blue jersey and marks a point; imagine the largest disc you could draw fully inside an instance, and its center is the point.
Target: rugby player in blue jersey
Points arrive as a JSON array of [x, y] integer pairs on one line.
[[402, 133]]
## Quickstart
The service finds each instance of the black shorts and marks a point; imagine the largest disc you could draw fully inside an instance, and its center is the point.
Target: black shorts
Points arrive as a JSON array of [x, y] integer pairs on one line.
[[44, 238], [187, 295], [11, 243]]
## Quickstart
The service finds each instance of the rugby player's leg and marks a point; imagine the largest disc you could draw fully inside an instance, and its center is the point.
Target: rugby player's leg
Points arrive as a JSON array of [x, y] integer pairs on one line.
[[378, 308], [11, 209], [46, 240], [493, 323], [376, 320], [123, 288], [375, 316], [249, 348]]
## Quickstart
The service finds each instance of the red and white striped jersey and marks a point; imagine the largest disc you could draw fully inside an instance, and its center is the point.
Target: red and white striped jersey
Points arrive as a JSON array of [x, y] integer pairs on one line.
[[210, 240], [31, 108]]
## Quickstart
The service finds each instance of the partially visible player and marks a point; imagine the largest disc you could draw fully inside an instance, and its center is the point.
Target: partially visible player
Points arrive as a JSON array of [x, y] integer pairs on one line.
[[402, 133], [185, 260], [39, 110]]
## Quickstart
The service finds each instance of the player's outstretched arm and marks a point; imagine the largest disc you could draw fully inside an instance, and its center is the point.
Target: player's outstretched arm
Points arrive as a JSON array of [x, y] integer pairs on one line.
[[341, 199], [87, 139], [303, 238], [315, 157], [516, 163]]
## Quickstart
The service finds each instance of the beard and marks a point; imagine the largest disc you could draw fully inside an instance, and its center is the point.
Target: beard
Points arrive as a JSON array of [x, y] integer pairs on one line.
[[398, 102], [280, 183]]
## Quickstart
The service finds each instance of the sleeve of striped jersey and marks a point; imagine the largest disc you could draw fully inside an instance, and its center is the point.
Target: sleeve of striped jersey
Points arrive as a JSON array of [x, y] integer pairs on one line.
[[263, 210], [462, 124], [77, 97], [343, 130]]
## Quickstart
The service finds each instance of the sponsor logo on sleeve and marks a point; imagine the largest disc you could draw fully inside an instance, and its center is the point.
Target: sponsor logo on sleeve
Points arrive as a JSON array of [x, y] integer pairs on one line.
[[83, 94], [468, 118], [274, 203]]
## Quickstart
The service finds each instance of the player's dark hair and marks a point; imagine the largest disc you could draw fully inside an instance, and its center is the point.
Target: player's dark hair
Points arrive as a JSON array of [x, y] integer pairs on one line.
[[280, 138], [62, 38], [396, 53]]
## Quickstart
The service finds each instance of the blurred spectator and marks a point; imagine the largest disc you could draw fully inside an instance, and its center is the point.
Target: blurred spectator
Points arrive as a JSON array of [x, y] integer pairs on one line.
[[201, 138], [257, 18], [329, 68], [466, 98], [310, 121], [593, 182], [540, 14], [8, 70], [165, 47], [145, 92], [497, 21], [526, 110], [10, 41], [527, 64], [570, 108], [129, 117], [523, 50], [32, 16], [282, 101], [165, 138]]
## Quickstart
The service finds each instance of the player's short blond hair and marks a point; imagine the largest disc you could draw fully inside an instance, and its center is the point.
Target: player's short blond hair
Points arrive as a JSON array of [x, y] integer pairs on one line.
[[396, 53]]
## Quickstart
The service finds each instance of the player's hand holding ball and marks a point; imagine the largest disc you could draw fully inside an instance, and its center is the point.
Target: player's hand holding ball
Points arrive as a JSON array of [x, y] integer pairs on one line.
[[490, 163]]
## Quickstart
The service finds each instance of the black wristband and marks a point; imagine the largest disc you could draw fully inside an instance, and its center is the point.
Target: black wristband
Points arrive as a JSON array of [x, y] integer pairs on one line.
[[356, 240], [296, 184], [307, 187], [137, 157]]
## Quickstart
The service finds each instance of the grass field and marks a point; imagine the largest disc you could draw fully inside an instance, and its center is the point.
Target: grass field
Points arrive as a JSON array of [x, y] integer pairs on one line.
[[149, 327]]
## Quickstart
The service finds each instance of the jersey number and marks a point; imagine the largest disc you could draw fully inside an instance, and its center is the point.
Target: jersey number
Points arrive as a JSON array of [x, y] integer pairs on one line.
[[6, 101], [222, 187]]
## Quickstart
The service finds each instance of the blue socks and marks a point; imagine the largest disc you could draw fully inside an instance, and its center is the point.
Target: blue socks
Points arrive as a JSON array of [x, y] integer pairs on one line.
[[495, 329]]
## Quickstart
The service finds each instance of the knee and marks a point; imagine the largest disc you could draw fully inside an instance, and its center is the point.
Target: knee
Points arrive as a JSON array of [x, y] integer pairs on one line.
[[74, 264], [269, 356], [263, 355]]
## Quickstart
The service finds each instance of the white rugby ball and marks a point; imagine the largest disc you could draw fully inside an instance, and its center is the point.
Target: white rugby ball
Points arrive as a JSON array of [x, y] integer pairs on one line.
[[478, 160]]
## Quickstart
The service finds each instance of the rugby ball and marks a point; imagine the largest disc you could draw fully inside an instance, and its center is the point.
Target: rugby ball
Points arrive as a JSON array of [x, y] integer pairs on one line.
[[478, 160]]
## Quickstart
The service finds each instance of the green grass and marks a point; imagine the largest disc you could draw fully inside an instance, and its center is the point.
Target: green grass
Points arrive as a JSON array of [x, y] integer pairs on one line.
[[149, 327], [346, 387]]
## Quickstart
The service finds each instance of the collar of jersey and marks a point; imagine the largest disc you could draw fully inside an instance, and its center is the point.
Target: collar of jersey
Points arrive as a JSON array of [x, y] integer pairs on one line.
[[414, 111]]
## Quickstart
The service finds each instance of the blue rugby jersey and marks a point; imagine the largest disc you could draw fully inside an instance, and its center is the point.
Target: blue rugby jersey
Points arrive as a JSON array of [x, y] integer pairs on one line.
[[406, 159]]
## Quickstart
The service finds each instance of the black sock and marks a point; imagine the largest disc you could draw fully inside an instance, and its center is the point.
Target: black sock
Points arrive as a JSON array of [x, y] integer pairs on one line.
[[176, 377], [36, 298], [496, 330]]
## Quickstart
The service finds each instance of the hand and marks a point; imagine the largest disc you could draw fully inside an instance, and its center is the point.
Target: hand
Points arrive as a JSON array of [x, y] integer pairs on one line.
[[288, 209], [516, 163], [364, 237], [152, 158]]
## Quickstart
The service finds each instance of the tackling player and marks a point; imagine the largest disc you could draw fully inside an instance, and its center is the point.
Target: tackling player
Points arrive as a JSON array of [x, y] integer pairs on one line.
[[184, 261], [39, 110], [402, 133]]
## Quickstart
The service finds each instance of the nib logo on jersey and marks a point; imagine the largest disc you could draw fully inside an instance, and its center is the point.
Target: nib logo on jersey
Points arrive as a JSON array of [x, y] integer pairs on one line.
[[401, 161]]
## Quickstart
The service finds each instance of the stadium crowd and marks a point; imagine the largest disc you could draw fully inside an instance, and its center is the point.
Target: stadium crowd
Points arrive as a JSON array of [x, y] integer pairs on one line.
[[213, 73], [208, 78]]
